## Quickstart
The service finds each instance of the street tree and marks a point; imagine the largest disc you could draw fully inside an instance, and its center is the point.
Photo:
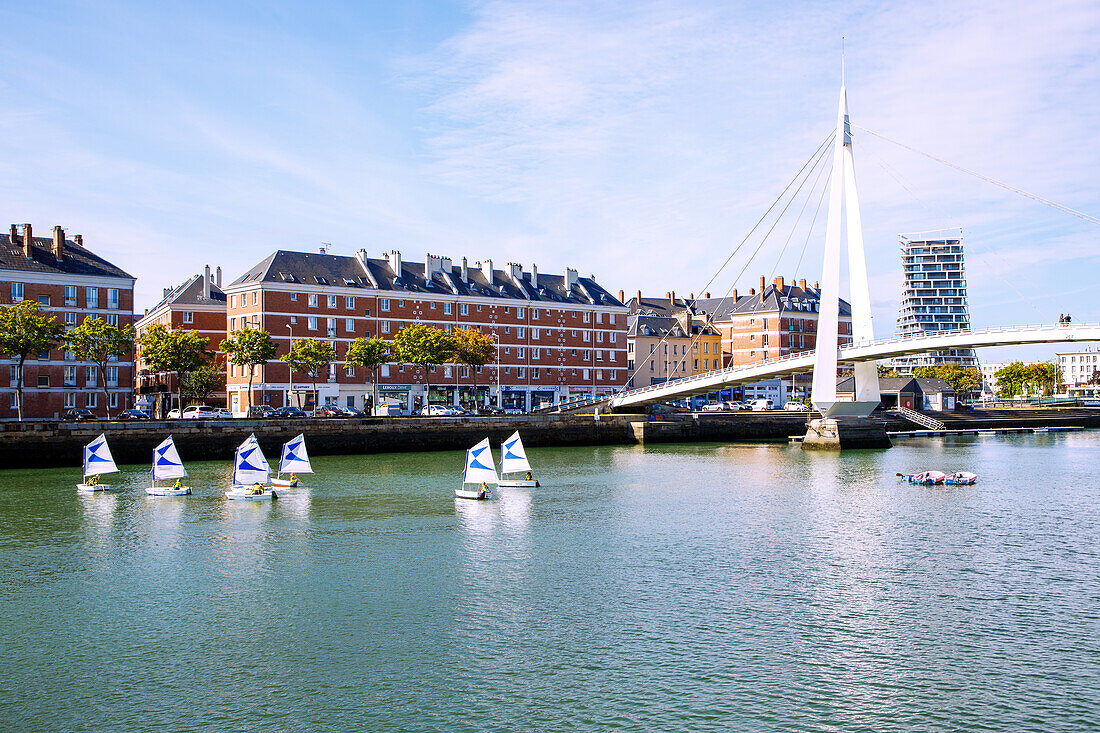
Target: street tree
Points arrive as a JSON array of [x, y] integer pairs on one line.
[[369, 354], [167, 350], [99, 342], [422, 345], [250, 347], [963, 380], [26, 330], [310, 357], [474, 349], [198, 384]]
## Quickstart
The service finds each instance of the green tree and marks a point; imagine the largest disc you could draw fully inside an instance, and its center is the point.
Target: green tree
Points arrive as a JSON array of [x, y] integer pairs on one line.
[[885, 371], [964, 380], [167, 350], [423, 346], [1046, 375], [310, 357], [200, 383], [250, 347], [1011, 378], [26, 330], [1094, 380], [369, 354], [474, 349], [99, 342]]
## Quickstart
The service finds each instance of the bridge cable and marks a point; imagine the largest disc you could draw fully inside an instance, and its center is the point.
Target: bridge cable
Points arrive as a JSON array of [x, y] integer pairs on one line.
[[810, 231], [812, 161]]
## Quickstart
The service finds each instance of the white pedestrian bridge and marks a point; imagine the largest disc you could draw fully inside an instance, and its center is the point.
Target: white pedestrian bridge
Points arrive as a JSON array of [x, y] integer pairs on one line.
[[803, 362]]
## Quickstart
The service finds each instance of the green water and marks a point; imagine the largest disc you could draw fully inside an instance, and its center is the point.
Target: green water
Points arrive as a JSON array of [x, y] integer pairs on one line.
[[666, 588]]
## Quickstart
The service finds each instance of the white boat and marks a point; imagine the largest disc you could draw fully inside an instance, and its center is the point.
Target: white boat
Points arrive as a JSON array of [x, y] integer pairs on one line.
[[294, 460], [513, 464], [97, 461], [167, 466], [480, 470], [928, 478], [961, 478], [250, 473]]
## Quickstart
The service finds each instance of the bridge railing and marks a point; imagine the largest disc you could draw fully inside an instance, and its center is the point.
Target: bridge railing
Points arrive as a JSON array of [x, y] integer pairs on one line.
[[980, 331], [682, 381]]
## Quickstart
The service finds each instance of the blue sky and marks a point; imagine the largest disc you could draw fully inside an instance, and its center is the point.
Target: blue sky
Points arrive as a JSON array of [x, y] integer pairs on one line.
[[638, 141]]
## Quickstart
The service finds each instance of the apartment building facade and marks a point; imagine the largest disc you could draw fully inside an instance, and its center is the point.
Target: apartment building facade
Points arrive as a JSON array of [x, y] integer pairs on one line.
[[1080, 372], [197, 304], [73, 283], [661, 348], [557, 335]]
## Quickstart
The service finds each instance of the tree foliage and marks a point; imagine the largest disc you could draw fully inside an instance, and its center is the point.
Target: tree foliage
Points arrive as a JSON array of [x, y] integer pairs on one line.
[[250, 347], [198, 384], [170, 350], [885, 371], [369, 354], [963, 380], [474, 349], [423, 346], [1041, 377], [26, 330], [99, 342], [310, 357]]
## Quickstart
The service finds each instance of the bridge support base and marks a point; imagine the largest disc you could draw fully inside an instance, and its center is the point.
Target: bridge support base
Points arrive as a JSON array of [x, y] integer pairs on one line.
[[845, 433]]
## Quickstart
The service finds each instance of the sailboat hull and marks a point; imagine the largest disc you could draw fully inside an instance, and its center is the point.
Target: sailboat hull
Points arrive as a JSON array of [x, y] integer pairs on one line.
[[478, 494], [244, 493], [93, 488], [168, 491], [285, 482], [519, 483]]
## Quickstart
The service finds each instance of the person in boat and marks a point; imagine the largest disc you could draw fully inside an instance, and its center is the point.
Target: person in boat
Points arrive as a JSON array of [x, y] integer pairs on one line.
[[178, 484], [257, 489], [293, 479], [529, 476], [483, 490], [93, 481]]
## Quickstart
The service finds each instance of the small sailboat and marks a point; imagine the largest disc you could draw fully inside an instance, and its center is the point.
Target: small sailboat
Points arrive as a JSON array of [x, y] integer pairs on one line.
[[97, 461], [961, 478], [166, 466], [480, 470], [514, 465], [927, 478], [250, 473], [294, 460]]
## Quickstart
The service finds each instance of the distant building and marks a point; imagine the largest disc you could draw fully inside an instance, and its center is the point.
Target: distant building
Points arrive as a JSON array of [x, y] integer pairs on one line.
[[934, 298], [73, 283], [197, 304], [557, 335], [909, 392], [989, 376], [662, 348], [1079, 369]]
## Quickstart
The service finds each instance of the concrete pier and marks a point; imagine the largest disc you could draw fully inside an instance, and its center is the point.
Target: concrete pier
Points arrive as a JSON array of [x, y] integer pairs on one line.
[[845, 433]]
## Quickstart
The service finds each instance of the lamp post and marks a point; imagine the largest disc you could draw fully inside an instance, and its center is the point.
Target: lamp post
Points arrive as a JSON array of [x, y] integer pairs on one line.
[[289, 368]]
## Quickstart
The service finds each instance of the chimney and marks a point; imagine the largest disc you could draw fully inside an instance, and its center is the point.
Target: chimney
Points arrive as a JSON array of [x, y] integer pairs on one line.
[[79, 239], [706, 296], [361, 256], [164, 293], [817, 288], [218, 279], [752, 291], [672, 298], [465, 273], [763, 280], [779, 282], [638, 295], [12, 236], [28, 240], [394, 258], [516, 272], [802, 283], [735, 295], [535, 275], [432, 265], [58, 242], [691, 296], [622, 296], [487, 270], [206, 284], [570, 278]]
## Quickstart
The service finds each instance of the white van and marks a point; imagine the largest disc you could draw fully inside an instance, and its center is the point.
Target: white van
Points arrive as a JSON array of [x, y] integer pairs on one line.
[[762, 404]]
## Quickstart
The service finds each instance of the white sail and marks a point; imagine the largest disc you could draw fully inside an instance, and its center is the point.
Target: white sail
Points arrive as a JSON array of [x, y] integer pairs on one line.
[[480, 467], [98, 458], [513, 459], [249, 465], [166, 461], [294, 458]]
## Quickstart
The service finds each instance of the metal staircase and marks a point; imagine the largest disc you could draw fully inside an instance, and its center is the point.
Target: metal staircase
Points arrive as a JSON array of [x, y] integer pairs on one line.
[[921, 419]]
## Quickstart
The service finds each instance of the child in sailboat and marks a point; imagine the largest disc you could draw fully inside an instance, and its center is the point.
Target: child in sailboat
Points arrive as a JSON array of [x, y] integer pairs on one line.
[[483, 490]]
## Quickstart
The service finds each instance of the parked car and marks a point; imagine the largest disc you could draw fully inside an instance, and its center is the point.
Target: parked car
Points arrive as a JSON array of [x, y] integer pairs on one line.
[[328, 411], [133, 415], [198, 412], [77, 414], [352, 412], [260, 411], [490, 411], [762, 404], [174, 413], [796, 407], [438, 411], [714, 407], [284, 413], [222, 414]]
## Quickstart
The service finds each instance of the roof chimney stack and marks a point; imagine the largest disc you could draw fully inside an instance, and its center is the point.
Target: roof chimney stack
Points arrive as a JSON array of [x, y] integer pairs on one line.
[[79, 239], [672, 298], [752, 291], [570, 278], [735, 295], [622, 296], [487, 270], [218, 279], [206, 284], [465, 272], [12, 234], [779, 282], [28, 240], [763, 285], [394, 258], [58, 242], [802, 283], [535, 275], [706, 296]]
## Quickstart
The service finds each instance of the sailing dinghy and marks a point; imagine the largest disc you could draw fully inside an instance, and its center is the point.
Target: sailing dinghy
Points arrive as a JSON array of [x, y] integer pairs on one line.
[[166, 466], [480, 470], [97, 461], [294, 460], [250, 473], [515, 471]]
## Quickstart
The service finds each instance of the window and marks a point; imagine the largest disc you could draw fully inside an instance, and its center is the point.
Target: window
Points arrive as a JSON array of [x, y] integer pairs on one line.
[[70, 376], [764, 340], [349, 325], [112, 319], [16, 292], [70, 355], [312, 301], [294, 296], [587, 355], [255, 297], [70, 319], [70, 295], [43, 381], [446, 309], [331, 325], [464, 309], [91, 376], [43, 300], [113, 400], [349, 302], [14, 375], [293, 320], [587, 335], [383, 304], [311, 323], [431, 304], [90, 399], [535, 313], [599, 374], [91, 298], [384, 370], [587, 316], [599, 355], [112, 298], [332, 301], [479, 309], [112, 376], [521, 372], [586, 374], [385, 326], [535, 353], [520, 312], [534, 372], [70, 399], [188, 317]]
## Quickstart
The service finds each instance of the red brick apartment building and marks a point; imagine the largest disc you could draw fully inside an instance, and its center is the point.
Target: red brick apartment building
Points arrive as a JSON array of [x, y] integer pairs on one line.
[[198, 304], [72, 283], [557, 335]]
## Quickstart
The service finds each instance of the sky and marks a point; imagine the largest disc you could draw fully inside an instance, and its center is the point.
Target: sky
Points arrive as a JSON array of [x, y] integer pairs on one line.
[[637, 141]]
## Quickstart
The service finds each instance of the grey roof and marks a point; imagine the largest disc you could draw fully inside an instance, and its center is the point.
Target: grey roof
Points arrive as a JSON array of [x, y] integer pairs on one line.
[[900, 384], [929, 385], [789, 299], [76, 261], [655, 326], [348, 272], [190, 293], [656, 306]]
